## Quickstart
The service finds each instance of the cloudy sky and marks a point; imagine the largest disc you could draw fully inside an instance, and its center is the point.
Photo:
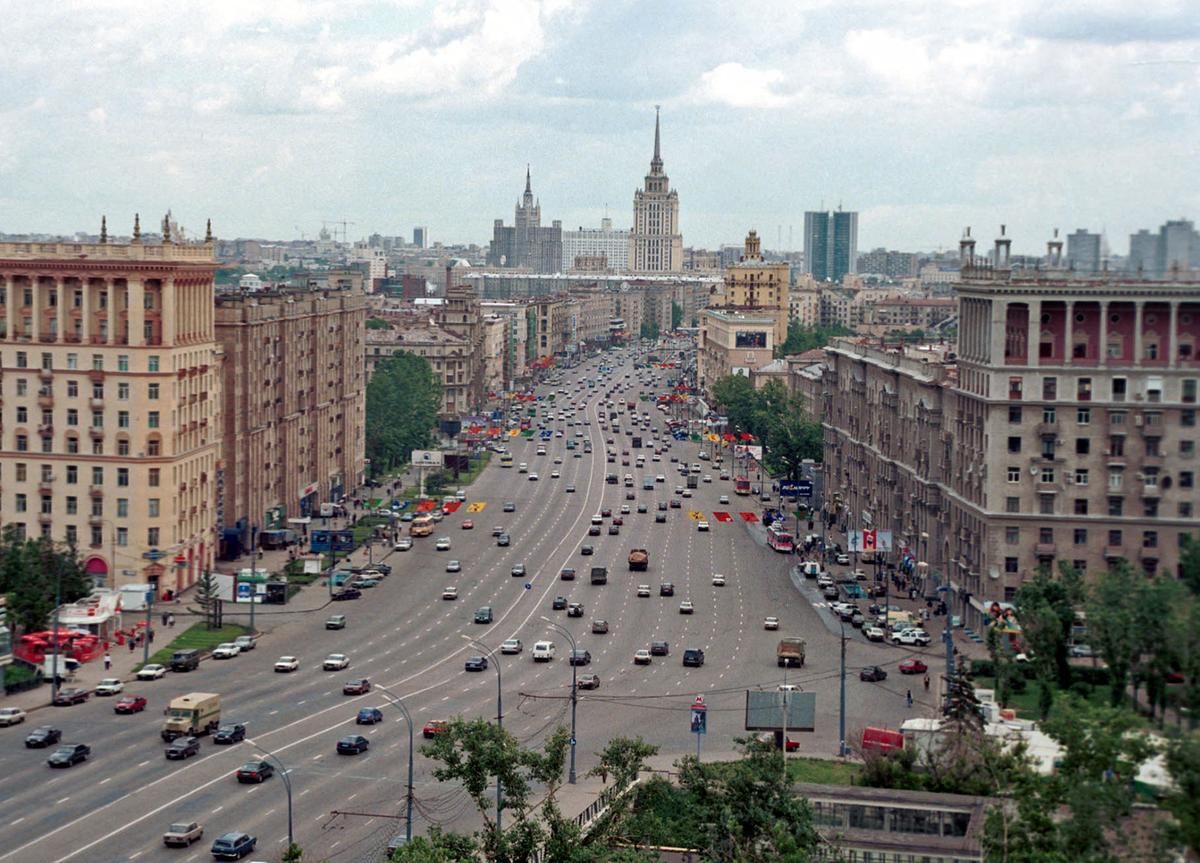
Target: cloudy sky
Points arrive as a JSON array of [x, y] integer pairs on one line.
[[272, 116]]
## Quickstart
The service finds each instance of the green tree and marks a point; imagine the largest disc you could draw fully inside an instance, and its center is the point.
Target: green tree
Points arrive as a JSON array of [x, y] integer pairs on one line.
[[737, 398], [1183, 800], [378, 324], [676, 315], [1046, 606], [1161, 602], [403, 399], [649, 330], [206, 595], [1111, 605], [437, 847], [1189, 563], [30, 572], [801, 338]]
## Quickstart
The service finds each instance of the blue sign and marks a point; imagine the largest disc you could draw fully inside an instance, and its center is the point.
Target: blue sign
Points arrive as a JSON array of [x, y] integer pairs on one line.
[[332, 540], [154, 554], [244, 591], [699, 720], [805, 488], [788, 488]]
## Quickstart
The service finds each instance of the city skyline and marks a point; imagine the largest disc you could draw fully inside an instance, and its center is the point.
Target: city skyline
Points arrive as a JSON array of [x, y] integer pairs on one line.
[[297, 123]]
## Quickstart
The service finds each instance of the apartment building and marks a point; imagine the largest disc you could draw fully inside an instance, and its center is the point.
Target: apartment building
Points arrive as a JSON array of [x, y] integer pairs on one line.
[[732, 343], [294, 407], [110, 424], [1063, 428], [448, 354], [760, 287]]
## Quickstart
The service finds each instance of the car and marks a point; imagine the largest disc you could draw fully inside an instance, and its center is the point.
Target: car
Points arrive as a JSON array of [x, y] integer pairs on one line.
[[405, 544], [368, 716], [352, 744], [69, 754], [246, 642], [679, 489], [442, 544], [579, 657], [434, 727], [702, 526], [913, 666], [182, 834], [233, 846], [873, 633], [660, 477], [518, 570], [666, 589], [594, 530], [642, 657], [72, 695], [918, 637], [675, 503], [367, 583], [693, 657], [707, 477], [229, 733], [599, 626], [643, 591], [346, 594], [42, 736], [660, 518], [358, 686], [724, 499], [543, 651], [255, 771], [606, 512], [1083, 650], [642, 508], [511, 645], [553, 475], [468, 524], [226, 650], [559, 603], [687, 492], [856, 619], [614, 529], [453, 566], [660, 648], [286, 664], [588, 681], [130, 704], [567, 573], [336, 662], [503, 540], [483, 614], [586, 550], [575, 609], [718, 580], [182, 747], [475, 663], [872, 674], [153, 671], [830, 592], [842, 558], [497, 530], [771, 623], [11, 716], [533, 477], [624, 509], [109, 686], [509, 506], [408, 516], [662, 506], [449, 593]]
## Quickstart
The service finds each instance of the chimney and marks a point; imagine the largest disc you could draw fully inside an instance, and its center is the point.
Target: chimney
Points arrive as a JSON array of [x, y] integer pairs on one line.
[[1054, 250], [1003, 249], [966, 250]]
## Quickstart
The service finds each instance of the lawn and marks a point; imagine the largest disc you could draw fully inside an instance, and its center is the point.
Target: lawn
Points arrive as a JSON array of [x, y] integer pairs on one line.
[[822, 771], [1026, 703], [197, 637]]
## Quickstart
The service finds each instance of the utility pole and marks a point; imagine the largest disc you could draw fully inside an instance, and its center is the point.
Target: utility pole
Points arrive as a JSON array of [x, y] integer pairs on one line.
[[57, 603], [842, 695]]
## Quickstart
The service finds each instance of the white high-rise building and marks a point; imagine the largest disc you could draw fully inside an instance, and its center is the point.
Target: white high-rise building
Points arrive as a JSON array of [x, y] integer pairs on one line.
[[593, 242], [655, 244]]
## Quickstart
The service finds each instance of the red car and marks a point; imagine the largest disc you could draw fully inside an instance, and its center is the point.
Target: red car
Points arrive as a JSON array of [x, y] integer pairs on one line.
[[434, 727], [130, 704], [606, 512], [360, 686], [618, 521], [913, 666], [468, 525], [791, 745]]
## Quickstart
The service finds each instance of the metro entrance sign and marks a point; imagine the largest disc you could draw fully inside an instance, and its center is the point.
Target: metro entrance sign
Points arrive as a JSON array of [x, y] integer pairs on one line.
[[699, 722]]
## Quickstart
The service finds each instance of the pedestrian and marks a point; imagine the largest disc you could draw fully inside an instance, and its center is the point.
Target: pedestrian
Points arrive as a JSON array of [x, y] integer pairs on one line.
[[150, 635], [132, 646], [107, 662], [170, 620], [926, 682], [908, 697], [164, 618]]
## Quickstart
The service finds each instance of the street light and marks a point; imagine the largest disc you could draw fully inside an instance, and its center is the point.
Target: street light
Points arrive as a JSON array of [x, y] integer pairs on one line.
[[287, 783], [574, 691], [499, 708], [842, 694], [395, 699]]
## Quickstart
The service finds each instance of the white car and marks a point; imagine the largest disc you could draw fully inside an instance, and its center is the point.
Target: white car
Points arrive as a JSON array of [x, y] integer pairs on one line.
[[771, 623], [702, 525], [404, 544], [336, 662], [543, 651], [686, 607], [642, 657], [724, 499], [533, 477], [110, 686], [450, 593], [911, 636], [443, 543], [286, 664], [643, 590], [873, 633], [511, 645], [248, 642], [153, 671], [228, 650], [554, 474], [453, 566], [624, 509], [718, 580], [11, 716], [708, 477], [660, 478], [843, 559]]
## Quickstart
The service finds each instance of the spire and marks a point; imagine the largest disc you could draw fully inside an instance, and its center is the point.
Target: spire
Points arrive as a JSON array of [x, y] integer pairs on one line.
[[103, 229], [208, 231], [656, 164], [166, 227], [137, 228], [528, 187]]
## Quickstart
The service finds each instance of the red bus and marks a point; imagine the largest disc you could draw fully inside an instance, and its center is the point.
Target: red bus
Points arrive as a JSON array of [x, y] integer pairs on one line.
[[741, 485], [779, 539]]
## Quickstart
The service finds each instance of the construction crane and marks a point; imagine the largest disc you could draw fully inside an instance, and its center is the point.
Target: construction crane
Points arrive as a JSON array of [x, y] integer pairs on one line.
[[335, 223]]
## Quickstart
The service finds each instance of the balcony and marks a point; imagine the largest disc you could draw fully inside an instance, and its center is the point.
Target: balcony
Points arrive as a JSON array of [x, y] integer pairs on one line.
[[46, 485], [45, 517], [1113, 552], [46, 375], [96, 433], [1151, 490], [45, 400], [96, 490], [96, 404], [95, 519], [96, 375], [1043, 548], [46, 429], [1047, 488], [1116, 460], [1154, 459], [1046, 429]]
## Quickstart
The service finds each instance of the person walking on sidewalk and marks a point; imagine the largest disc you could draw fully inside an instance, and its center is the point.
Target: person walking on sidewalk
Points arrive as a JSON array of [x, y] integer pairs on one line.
[[926, 682], [908, 697], [107, 662]]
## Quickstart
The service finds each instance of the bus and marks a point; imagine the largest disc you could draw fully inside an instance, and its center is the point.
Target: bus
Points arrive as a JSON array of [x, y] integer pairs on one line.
[[506, 459], [741, 485], [422, 525], [779, 539]]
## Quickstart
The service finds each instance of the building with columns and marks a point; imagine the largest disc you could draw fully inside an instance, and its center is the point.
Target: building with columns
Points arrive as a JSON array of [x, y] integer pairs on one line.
[[1063, 429], [110, 423], [655, 243]]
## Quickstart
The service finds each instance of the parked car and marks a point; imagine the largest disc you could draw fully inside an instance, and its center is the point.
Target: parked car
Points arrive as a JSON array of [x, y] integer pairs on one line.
[[347, 594], [73, 695], [245, 642], [228, 650], [872, 674], [153, 671], [11, 716], [918, 637]]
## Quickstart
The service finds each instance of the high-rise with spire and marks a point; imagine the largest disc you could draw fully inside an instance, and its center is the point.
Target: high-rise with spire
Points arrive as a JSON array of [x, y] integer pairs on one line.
[[526, 244], [655, 243]]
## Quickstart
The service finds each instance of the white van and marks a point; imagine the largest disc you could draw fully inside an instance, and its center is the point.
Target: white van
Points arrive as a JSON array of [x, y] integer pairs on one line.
[[543, 651], [522, 468]]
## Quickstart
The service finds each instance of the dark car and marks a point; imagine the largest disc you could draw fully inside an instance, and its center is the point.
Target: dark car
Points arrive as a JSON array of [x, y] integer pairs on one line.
[[662, 506], [229, 733], [483, 614], [559, 603], [606, 512], [509, 506], [518, 570], [369, 716], [352, 744], [587, 550], [233, 846], [67, 697], [594, 530], [872, 674], [659, 648], [130, 704], [358, 686], [182, 747], [503, 539], [475, 663], [69, 754], [666, 589], [660, 518], [675, 504], [613, 530], [567, 574], [589, 681], [255, 771], [42, 737], [348, 593], [693, 657], [579, 657]]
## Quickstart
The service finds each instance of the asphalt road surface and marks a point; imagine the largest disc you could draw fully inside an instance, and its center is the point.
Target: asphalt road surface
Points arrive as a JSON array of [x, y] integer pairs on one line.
[[115, 806]]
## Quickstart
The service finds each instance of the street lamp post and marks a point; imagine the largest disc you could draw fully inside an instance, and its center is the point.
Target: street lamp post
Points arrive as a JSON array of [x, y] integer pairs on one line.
[[395, 699], [842, 693], [499, 711], [574, 692], [287, 783]]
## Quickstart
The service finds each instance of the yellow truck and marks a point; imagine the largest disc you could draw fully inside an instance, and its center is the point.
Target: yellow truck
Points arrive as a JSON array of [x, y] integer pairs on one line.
[[191, 714]]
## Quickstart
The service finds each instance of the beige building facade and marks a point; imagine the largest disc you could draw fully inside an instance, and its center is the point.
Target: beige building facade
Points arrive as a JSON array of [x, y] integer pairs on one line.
[[655, 243], [449, 356], [759, 287], [732, 343], [110, 424]]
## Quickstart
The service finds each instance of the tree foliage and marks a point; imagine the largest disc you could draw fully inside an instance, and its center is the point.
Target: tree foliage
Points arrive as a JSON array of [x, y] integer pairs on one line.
[[801, 338], [1111, 603], [1189, 563], [676, 315], [775, 417], [378, 324], [649, 330], [206, 596], [403, 399], [29, 570]]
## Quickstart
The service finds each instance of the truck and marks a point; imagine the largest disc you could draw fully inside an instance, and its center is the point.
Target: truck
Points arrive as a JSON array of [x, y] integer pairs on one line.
[[133, 596], [693, 481], [639, 560], [332, 510], [599, 575], [192, 714], [790, 653], [636, 442], [66, 667]]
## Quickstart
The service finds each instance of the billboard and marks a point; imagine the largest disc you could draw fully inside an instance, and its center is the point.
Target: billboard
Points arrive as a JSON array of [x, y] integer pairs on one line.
[[332, 540], [764, 710], [750, 339], [427, 458], [870, 540]]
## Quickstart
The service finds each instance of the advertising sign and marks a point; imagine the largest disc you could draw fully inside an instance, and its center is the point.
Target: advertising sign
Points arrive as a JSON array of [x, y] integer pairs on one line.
[[699, 722], [870, 540], [427, 458], [332, 540]]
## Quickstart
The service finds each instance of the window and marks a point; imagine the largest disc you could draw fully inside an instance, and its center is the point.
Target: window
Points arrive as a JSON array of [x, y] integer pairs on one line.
[[72, 534], [1186, 479], [123, 362], [1118, 389], [1081, 476], [1046, 535], [72, 417], [1014, 444], [1014, 474], [1083, 446], [1150, 539], [22, 443], [1187, 418], [122, 447], [122, 536], [1047, 475], [122, 507], [123, 419], [22, 359], [1114, 537], [1187, 448], [152, 507], [72, 505], [97, 419], [97, 447], [1081, 506], [1153, 446], [72, 445], [152, 536], [1014, 413], [1080, 536], [1083, 416], [1010, 564], [22, 503], [1012, 504], [1117, 418], [1115, 478], [152, 419], [1014, 388], [1187, 391], [47, 444], [154, 475], [47, 473], [1116, 446], [152, 392], [22, 414], [72, 361], [1116, 506], [22, 387], [123, 476], [1046, 504], [97, 536], [1185, 509], [73, 389], [72, 474], [47, 505], [97, 506], [152, 363], [123, 392], [1154, 393], [1049, 388], [152, 447], [1150, 509], [1083, 390], [97, 362], [1049, 414], [21, 471], [1012, 535]]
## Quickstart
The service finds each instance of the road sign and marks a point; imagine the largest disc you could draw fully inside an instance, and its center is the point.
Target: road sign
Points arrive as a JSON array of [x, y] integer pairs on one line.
[[695, 516], [748, 517], [572, 741], [722, 516], [804, 488], [529, 585]]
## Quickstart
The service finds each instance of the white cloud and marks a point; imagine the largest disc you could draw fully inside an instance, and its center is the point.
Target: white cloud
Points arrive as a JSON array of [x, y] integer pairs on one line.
[[741, 87], [97, 115]]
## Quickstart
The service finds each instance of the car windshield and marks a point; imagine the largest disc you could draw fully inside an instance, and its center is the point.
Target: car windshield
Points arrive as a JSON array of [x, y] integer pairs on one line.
[[181, 827]]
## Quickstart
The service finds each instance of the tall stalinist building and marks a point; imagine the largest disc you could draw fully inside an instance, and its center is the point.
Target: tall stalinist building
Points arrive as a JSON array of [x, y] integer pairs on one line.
[[655, 244]]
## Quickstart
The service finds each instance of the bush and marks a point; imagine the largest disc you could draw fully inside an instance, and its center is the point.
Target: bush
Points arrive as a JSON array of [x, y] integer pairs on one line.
[[983, 668], [1094, 676]]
